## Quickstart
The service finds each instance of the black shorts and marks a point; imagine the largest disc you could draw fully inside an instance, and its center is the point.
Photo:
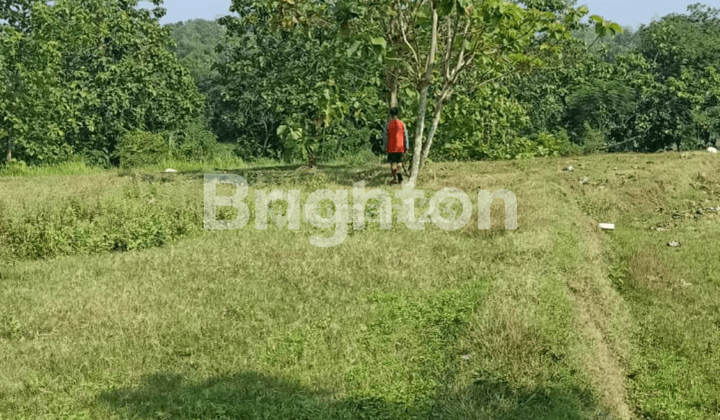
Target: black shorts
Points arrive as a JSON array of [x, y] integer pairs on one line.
[[395, 157]]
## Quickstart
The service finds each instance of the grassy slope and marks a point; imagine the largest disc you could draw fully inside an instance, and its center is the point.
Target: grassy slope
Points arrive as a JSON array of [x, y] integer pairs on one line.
[[468, 324], [673, 293]]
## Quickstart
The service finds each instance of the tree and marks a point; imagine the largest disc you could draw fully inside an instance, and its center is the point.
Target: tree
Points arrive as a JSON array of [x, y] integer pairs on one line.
[[435, 42], [602, 105], [16, 13], [291, 91], [196, 42], [29, 93], [683, 53], [121, 73], [84, 72]]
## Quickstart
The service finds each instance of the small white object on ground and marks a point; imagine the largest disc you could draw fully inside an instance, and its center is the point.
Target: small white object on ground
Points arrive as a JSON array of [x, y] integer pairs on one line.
[[607, 226], [466, 356], [568, 169], [585, 180], [170, 170], [686, 284], [712, 150], [674, 244]]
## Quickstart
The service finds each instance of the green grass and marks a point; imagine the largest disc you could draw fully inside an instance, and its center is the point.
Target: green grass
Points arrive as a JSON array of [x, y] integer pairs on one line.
[[50, 216], [672, 293], [556, 320], [78, 167]]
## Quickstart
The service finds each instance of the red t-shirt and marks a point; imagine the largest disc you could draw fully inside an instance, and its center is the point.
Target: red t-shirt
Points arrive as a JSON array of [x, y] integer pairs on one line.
[[396, 137]]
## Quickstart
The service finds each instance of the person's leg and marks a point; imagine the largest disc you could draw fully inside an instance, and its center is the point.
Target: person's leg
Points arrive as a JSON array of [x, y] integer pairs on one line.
[[399, 172], [395, 160], [389, 160]]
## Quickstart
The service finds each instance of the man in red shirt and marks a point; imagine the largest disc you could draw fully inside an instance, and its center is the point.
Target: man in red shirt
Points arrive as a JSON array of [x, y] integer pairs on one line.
[[395, 143]]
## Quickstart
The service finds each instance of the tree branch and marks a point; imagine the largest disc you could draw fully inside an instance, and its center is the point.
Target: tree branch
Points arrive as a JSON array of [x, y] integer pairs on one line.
[[404, 35], [448, 52]]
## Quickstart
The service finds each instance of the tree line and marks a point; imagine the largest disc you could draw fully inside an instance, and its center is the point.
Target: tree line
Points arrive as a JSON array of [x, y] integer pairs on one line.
[[313, 80], [79, 75]]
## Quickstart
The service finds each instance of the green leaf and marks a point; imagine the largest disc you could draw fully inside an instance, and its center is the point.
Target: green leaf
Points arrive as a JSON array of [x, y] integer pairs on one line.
[[353, 49], [379, 42]]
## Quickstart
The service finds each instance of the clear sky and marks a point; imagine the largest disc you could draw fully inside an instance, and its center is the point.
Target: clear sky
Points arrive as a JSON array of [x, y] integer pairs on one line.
[[625, 12], [635, 12]]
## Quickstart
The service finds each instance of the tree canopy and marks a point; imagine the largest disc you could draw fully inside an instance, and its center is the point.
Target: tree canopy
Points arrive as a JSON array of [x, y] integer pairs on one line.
[[313, 80], [79, 74]]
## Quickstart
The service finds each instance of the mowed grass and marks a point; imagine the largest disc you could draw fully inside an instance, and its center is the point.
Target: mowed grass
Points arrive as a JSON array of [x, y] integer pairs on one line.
[[545, 322]]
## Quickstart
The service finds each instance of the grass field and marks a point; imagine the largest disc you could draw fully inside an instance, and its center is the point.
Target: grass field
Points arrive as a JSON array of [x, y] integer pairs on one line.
[[116, 304]]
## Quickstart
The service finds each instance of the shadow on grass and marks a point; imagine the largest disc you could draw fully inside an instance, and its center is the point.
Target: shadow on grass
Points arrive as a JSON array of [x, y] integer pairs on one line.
[[251, 395]]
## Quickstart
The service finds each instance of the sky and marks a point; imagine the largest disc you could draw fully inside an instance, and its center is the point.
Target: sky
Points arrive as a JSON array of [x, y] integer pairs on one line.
[[625, 12]]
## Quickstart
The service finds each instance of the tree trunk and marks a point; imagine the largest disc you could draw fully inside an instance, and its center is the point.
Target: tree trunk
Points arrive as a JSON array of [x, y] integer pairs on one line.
[[431, 134], [436, 121], [393, 93], [420, 127], [422, 106]]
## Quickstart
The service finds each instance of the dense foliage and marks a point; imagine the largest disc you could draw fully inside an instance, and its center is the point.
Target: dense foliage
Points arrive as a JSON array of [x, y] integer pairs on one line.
[[302, 80], [652, 89], [196, 43], [294, 93], [78, 75]]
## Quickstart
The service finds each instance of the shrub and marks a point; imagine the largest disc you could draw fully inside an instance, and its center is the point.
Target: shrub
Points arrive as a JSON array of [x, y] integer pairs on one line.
[[507, 148], [137, 216], [197, 143], [14, 168], [141, 148], [593, 140], [556, 144]]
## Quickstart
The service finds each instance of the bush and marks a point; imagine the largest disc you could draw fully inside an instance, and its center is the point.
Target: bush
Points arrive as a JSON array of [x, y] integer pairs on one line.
[[348, 140], [141, 148], [14, 168], [197, 143], [593, 140], [510, 146], [556, 144], [138, 215]]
